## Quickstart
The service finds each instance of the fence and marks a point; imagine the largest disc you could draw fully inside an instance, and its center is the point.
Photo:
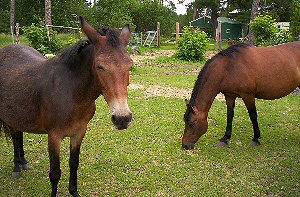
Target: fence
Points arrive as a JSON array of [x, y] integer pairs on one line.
[[74, 31]]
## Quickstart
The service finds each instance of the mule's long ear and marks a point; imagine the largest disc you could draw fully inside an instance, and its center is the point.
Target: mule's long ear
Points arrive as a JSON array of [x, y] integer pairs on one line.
[[125, 35], [89, 31]]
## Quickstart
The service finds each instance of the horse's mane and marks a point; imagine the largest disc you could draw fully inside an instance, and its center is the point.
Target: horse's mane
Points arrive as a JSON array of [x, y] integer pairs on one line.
[[233, 49], [229, 52]]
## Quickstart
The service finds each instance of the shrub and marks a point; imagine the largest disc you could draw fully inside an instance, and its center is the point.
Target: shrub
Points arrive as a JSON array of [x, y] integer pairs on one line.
[[266, 33], [38, 39], [192, 45]]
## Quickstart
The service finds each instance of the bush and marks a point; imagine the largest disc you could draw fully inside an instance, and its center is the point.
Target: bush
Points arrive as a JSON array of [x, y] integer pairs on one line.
[[38, 39], [266, 33], [192, 45]]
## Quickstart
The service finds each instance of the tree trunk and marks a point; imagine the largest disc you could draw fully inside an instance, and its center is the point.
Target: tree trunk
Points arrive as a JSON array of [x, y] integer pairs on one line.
[[196, 12], [48, 12], [12, 18], [254, 13]]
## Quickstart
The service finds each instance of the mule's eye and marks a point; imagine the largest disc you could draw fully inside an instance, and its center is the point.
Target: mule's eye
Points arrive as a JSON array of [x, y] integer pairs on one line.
[[100, 68], [191, 124]]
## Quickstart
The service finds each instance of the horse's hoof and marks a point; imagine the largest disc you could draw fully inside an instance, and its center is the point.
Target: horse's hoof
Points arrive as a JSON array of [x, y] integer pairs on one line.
[[26, 166], [255, 143], [222, 144], [16, 174]]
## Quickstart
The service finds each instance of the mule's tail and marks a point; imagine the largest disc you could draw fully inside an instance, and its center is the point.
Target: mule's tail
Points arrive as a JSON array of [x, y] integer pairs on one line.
[[4, 128]]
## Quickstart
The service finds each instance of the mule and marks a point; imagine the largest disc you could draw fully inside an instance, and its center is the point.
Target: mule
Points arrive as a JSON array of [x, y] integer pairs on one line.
[[243, 71], [57, 96]]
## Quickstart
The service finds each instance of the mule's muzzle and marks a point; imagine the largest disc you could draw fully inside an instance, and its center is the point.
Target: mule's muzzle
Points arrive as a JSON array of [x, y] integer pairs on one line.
[[188, 145], [121, 122]]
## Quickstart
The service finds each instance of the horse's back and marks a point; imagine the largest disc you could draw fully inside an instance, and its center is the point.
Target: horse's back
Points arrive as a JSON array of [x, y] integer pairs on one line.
[[268, 72]]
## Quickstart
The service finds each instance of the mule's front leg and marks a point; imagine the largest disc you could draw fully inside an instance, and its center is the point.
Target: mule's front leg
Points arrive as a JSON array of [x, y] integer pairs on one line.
[[230, 102], [55, 172], [74, 163]]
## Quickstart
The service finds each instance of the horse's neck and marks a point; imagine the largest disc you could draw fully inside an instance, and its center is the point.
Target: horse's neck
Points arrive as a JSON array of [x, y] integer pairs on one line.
[[205, 98]]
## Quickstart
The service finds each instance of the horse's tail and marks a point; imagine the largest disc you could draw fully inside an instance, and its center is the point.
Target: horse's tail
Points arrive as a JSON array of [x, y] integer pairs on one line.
[[4, 128]]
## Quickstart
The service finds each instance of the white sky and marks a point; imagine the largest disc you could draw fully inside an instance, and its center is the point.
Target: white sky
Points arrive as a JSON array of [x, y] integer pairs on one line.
[[180, 8]]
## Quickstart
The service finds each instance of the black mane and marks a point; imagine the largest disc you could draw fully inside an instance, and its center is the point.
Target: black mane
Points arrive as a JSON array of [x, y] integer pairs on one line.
[[112, 36], [229, 52], [69, 53], [233, 49]]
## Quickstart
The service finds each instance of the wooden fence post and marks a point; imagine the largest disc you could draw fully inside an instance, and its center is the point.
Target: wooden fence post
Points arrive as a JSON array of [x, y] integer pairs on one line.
[[158, 34], [17, 33], [177, 31]]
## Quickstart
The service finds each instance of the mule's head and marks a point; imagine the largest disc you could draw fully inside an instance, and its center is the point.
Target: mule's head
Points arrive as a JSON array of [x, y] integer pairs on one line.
[[195, 126], [111, 67]]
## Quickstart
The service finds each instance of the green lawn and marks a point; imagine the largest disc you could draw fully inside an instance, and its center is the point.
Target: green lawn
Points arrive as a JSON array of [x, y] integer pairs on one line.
[[147, 158]]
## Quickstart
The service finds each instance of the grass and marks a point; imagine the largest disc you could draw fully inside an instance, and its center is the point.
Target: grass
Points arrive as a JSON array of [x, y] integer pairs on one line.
[[147, 158]]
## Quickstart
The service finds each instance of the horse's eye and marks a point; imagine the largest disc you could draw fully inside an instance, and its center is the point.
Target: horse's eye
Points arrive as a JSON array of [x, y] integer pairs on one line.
[[100, 68]]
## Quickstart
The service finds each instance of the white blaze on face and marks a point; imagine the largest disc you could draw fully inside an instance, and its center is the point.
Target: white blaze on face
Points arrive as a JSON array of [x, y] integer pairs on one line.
[[119, 107]]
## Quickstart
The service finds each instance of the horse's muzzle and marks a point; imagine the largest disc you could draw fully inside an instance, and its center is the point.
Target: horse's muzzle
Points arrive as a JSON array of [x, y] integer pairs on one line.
[[121, 122], [188, 145]]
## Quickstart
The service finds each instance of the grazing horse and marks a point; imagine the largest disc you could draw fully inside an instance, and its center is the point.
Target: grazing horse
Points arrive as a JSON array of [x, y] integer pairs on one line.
[[243, 71], [57, 96]]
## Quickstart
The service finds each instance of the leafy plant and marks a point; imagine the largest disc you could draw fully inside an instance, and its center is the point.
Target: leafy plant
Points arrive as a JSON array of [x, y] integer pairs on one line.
[[266, 33], [192, 45], [38, 39]]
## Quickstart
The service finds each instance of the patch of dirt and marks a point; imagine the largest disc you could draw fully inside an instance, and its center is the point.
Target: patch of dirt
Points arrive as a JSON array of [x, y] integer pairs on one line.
[[153, 55], [166, 91]]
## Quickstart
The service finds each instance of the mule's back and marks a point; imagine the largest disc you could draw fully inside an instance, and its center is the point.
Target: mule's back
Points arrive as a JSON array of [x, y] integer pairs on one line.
[[18, 88], [20, 55]]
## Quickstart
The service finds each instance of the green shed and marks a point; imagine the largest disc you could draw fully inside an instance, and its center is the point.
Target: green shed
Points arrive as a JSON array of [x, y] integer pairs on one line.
[[202, 22], [230, 29]]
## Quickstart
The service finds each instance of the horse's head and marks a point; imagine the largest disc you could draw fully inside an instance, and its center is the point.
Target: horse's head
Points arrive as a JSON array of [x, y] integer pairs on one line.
[[195, 126], [111, 66]]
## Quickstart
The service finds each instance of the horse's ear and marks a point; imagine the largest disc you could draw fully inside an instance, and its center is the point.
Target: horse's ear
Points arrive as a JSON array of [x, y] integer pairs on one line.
[[125, 35], [89, 31]]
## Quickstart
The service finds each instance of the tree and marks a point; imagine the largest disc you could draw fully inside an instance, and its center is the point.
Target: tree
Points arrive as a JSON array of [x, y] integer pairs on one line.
[[254, 13], [295, 18], [12, 18], [48, 12]]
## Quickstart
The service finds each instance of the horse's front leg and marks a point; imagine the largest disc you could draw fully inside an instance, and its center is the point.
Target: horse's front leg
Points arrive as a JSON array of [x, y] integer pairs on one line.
[[250, 104], [54, 152], [75, 144], [230, 102], [19, 155]]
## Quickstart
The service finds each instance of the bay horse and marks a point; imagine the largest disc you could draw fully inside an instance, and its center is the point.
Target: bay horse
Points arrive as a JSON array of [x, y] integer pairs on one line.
[[57, 96], [243, 71]]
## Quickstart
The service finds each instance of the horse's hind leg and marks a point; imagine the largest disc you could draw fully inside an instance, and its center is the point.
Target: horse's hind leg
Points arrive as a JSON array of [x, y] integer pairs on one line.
[[19, 155], [230, 102], [250, 104]]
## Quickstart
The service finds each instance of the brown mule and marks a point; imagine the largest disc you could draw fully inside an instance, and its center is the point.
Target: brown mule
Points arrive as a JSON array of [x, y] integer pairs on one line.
[[57, 96]]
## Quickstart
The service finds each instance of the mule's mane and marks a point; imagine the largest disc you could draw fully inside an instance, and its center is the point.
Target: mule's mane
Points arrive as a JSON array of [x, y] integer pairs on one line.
[[112, 39], [229, 52], [69, 53], [112, 36]]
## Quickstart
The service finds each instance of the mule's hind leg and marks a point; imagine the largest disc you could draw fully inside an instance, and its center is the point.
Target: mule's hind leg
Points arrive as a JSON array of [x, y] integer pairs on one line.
[[250, 104], [19, 156], [230, 102]]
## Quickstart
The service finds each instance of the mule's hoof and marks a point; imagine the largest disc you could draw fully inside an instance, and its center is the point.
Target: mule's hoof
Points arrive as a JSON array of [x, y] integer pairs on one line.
[[16, 174], [254, 143], [222, 144], [26, 166]]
